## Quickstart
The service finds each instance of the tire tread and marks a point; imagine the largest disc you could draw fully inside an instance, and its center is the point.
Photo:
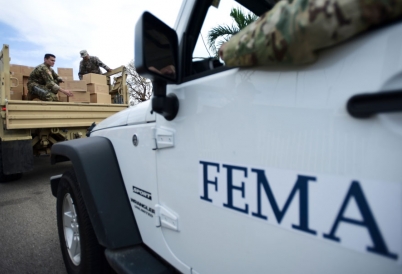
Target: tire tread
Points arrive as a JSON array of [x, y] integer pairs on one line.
[[92, 254]]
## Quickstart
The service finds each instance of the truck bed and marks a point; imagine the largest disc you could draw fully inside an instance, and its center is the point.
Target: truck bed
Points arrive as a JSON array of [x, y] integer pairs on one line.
[[40, 114]]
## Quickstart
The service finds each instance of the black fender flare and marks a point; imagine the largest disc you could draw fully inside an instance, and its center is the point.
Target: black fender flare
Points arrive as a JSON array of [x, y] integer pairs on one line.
[[102, 187]]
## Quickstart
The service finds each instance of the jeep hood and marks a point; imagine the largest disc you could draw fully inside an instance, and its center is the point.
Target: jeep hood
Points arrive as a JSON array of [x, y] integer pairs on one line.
[[138, 114]]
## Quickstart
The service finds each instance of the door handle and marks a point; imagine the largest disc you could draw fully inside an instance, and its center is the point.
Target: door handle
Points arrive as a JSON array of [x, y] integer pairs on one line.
[[368, 104]]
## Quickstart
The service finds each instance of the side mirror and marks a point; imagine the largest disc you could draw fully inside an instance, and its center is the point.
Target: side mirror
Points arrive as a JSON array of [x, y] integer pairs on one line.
[[156, 48], [156, 51]]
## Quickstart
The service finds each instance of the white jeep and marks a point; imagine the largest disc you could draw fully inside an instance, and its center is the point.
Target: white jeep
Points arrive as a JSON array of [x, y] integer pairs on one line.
[[274, 169]]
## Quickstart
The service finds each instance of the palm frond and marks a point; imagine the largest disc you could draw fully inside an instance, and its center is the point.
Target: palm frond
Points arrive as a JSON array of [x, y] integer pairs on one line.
[[222, 33], [220, 30], [242, 18]]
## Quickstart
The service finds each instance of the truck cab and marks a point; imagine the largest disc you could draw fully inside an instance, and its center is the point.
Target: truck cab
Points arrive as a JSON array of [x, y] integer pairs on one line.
[[283, 169]]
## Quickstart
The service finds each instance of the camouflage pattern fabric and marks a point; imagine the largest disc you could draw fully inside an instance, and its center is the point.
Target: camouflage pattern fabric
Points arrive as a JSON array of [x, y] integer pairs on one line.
[[45, 78], [46, 96], [293, 31], [91, 66]]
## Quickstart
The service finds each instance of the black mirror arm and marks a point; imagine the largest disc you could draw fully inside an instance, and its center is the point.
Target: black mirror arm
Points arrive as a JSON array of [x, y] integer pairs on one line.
[[166, 105]]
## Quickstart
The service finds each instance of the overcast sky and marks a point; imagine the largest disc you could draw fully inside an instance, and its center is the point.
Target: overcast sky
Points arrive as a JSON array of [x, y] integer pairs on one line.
[[64, 27], [105, 28]]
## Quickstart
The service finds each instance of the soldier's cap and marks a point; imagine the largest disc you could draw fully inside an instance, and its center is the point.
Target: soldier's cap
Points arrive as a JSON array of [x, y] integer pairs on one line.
[[83, 53]]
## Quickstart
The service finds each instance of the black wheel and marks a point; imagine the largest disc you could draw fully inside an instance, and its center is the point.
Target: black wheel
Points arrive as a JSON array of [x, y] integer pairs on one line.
[[7, 177], [79, 245]]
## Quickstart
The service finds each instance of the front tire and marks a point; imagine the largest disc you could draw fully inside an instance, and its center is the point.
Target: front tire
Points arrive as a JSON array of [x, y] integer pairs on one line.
[[79, 245]]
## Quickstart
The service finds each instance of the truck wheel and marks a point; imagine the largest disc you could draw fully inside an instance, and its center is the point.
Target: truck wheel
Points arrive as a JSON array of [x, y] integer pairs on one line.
[[7, 177], [79, 245]]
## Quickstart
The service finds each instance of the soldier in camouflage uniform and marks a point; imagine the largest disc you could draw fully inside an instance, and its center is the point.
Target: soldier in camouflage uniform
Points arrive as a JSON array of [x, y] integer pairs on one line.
[[294, 30], [43, 81], [90, 64]]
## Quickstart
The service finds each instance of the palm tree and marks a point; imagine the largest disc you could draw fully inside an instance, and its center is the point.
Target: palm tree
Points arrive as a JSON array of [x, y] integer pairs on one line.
[[222, 33]]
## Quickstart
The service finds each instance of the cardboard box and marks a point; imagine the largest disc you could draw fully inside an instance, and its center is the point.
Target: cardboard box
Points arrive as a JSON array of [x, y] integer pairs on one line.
[[17, 81], [67, 78], [15, 69], [101, 98], [25, 93], [98, 88], [65, 72], [62, 97], [27, 71], [15, 94], [77, 86], [25, 85], [24, 70], [93, 78], [79, 97]]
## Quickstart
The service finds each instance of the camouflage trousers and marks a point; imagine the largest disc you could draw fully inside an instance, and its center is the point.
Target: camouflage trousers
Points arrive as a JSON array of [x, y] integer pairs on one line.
[[45, 95]]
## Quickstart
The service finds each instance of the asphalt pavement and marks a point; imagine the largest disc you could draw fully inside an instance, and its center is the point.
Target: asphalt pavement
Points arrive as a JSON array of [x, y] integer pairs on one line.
[[29, 240]]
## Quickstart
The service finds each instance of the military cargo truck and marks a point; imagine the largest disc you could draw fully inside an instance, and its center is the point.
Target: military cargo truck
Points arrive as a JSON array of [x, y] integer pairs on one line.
[[30, 128]]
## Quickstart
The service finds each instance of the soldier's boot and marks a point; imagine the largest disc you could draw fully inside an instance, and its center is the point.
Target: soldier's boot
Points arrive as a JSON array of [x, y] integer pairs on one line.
[[31, 96], [41, 93]]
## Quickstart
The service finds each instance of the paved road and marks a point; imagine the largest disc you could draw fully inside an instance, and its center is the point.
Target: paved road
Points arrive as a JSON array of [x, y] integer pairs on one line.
[[29, 240]]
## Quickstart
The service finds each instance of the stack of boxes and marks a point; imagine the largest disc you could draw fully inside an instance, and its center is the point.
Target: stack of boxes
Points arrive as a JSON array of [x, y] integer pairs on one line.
[[21, 73], [67, 75], [98, 88], [93, 88], [78, 88]]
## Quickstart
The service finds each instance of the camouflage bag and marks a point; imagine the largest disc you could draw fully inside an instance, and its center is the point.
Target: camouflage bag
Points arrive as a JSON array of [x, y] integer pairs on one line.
[[293, 31]]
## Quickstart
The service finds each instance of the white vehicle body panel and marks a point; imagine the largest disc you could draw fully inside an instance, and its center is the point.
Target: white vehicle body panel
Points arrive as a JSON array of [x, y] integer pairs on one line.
[[286, 121], [138, 168], [141, 114], [292, 120]]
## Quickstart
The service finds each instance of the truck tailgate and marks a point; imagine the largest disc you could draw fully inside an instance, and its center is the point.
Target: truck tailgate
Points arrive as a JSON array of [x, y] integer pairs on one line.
[[41, 114]]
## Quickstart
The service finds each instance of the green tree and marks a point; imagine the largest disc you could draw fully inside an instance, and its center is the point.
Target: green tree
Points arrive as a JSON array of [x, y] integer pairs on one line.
[[222, 33]]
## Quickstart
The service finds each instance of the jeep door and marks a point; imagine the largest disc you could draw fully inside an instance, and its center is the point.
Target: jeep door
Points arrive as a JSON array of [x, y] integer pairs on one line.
[[267, 170]]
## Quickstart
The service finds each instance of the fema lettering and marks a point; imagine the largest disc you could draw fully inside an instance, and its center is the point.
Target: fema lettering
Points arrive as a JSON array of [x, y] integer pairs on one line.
[[217, 183]]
